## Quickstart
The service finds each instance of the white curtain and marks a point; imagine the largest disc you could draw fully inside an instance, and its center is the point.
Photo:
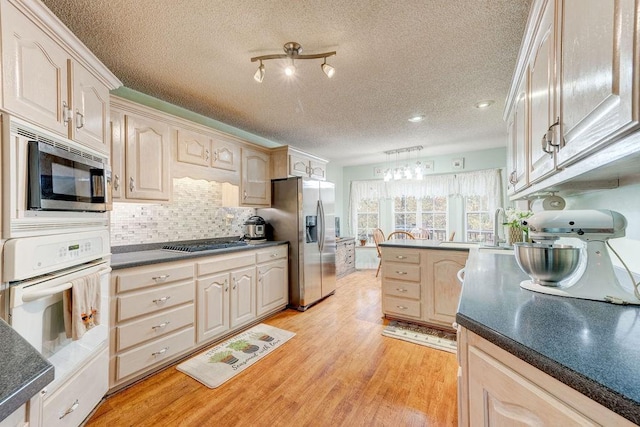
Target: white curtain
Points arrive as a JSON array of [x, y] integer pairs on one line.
[[485, 182]]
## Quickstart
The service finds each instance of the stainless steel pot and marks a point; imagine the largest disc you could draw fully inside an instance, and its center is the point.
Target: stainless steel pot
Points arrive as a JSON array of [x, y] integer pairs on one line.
[[255, 228]]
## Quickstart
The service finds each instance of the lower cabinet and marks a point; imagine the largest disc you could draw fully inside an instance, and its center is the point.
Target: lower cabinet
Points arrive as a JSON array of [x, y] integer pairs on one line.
[[345, 257], [420, 285], [273, 279], [495, 388]]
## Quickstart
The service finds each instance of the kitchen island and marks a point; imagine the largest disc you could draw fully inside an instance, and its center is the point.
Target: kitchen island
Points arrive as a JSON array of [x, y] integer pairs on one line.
[[23, 372], [532, 352]]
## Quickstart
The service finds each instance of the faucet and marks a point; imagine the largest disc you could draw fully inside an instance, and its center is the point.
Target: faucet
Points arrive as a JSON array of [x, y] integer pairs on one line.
[[496, 225]]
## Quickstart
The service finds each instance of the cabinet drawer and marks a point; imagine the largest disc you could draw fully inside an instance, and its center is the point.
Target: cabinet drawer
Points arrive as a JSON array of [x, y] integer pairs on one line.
[[154, 326], [152, 300], [225, 262], [152, 276], [401, 255], [154, 352], [394, 270], [401, 289], [275, 252], [401, 307], [86, 389]]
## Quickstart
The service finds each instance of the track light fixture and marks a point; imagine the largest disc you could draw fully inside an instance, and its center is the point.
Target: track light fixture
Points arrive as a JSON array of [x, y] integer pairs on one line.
[[293, 52]]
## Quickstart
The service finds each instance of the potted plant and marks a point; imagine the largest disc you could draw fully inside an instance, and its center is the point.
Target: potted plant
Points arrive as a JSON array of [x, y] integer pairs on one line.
[[517, 231], [363, 239], [243, 346]]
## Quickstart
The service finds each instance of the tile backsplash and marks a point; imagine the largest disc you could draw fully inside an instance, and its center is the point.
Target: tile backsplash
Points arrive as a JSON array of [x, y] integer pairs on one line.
[[196, 212]]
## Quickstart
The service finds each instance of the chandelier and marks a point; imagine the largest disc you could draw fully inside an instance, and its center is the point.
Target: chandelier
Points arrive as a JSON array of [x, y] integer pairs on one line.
[[407, 171], [292, 53]]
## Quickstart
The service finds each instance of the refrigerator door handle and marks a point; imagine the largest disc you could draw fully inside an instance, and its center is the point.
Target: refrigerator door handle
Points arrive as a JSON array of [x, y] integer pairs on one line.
[[322, 226]]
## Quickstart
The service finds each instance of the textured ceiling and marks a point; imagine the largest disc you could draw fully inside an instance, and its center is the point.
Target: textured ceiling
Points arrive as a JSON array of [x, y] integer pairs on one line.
[[394, 59]]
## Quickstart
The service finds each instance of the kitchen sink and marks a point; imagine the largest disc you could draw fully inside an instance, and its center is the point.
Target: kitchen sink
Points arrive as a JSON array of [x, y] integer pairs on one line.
[[499, 250]]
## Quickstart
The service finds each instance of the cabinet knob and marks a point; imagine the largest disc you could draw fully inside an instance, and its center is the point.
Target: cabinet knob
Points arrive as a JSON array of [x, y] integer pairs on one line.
[[401, 290], [66, 113], [160, 352], [161, 300], [132, 185], [116, 182], [161, 325], [402, 307], [69, 410], [79, 120], [206, 155], [401, 272], [161, 278], [400, 256]]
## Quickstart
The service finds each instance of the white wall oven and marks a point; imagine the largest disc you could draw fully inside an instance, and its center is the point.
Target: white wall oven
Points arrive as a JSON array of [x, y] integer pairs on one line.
[[51, 185], [37, 273]]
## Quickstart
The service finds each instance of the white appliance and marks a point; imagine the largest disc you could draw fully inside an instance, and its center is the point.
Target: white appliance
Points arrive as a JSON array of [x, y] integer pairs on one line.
[[37, 270], [69, 178], [302, 212], [595, 278]]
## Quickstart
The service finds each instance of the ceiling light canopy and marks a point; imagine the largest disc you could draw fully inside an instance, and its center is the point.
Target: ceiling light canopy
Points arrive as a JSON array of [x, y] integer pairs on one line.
[[484, 104], [292, 53], [417, 118]]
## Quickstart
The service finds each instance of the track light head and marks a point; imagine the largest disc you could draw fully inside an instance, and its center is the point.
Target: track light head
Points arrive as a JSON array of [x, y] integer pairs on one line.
[[328, 69], [259, 75]]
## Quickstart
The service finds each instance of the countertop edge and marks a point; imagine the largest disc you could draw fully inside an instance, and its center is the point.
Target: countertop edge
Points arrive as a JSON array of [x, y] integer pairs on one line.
[[595, 391], [118, 264], [26, 392]]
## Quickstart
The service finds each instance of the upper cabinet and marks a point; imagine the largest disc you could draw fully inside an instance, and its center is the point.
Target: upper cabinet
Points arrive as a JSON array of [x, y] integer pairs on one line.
[[50, 78], [574, 94], [255, 184], [288, 161]]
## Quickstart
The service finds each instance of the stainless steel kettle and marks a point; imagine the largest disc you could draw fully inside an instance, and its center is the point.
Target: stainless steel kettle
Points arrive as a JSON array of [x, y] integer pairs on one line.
[[255, 228]]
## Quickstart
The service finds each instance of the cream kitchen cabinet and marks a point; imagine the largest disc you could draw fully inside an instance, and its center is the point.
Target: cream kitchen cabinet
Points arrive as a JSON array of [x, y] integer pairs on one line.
[[420, 285], [51, 79], [496, 388], [226, 289], [273, 279], [153, 316], [219, 156], [255, 182], [140, 160], [288, 161], [518, 142], [581, 66], [345, 256]]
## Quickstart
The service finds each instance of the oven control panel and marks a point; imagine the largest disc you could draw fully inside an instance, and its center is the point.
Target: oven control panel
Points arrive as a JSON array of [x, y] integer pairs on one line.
[[33, 256]]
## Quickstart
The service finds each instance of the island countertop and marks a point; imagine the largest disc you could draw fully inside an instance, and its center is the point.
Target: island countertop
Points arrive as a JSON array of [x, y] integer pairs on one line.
[[591, 346], [428, 244], [23, 371]]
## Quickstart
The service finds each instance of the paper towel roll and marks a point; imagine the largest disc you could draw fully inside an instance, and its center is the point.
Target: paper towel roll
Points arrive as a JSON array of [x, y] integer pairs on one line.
[[550, 203]]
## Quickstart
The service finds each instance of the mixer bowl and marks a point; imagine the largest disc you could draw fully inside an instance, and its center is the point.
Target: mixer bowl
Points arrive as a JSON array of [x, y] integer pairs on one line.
[[547, 264]]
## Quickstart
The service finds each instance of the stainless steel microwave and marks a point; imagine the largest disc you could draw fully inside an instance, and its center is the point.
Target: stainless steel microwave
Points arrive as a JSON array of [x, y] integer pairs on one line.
[[62, 180]]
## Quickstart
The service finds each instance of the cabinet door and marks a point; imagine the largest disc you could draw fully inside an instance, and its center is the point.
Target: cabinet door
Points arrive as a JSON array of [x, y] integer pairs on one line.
[[498, 396], [117, 154], [225, 155], [598, 71], [34, 72], [243, 296], [273, 286], [298, 165], [90, 109], [542, 95], [518, 142], [255, 183], [317, 170], [193, 148], [213, 307], [442, 286], [147, 159]]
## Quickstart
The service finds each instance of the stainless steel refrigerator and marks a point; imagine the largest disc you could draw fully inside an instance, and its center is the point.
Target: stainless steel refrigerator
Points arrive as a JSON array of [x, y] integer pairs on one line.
[[303, 212]]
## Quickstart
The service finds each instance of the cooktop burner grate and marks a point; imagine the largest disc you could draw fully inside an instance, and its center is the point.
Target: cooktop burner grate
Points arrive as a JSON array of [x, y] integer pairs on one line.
[[197, 247]]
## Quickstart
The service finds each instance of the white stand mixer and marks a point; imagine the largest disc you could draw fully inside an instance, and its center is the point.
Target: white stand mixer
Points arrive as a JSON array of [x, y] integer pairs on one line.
[[595, 278]]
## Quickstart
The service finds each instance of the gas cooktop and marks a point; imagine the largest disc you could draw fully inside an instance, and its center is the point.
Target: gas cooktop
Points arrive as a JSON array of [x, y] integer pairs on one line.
[[206, 246]]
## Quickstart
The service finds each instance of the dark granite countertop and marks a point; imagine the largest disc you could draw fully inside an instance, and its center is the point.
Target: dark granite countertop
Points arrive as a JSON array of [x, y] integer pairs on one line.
[[428, 244], [591, 346], [23, 371], [152, 253]]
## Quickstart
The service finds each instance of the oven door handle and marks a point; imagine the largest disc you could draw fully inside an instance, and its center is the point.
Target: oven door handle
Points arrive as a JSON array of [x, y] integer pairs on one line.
[[34, 295]]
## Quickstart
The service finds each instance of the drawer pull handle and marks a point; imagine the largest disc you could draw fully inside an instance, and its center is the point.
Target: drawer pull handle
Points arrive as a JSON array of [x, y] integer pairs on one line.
[[401, 290], [400, 256], [70, 410], [161, 278], [161, 300], [161, 325], [160, 352], [402, 307], [401, 272], [275, 254]]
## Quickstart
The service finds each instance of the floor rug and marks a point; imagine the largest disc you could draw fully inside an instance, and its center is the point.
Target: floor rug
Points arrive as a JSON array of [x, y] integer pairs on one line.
[[422, 335], [218, 364]]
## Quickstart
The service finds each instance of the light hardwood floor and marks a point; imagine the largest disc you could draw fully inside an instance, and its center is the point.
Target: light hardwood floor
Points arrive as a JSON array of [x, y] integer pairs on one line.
[[337, 371]]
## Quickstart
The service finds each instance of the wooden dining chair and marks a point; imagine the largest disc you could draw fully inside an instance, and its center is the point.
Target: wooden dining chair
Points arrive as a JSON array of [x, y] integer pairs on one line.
[[420, 233], [378, 237], [400, 235]]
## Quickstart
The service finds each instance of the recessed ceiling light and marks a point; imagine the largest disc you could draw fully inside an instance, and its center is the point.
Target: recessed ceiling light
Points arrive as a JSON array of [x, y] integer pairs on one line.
[[484, 104], [416, 118]]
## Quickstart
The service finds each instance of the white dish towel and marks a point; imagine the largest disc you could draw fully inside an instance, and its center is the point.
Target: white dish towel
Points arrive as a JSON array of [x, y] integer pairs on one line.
[[82, 305]]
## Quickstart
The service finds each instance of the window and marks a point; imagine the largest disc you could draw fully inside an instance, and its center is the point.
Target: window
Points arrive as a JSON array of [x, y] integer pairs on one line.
[[368, 214], [478, 223], [429, 213]]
